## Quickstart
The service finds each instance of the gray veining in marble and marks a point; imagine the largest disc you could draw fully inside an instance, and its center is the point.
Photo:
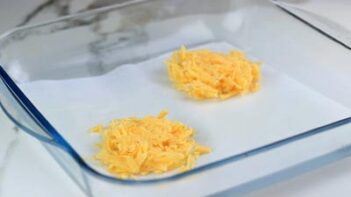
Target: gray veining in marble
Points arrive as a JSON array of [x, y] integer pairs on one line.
[[32, 12], [64, 7]]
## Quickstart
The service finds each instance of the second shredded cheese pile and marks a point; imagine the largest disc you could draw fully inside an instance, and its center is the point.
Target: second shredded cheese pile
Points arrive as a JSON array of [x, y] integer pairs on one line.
[[139, 146], [204, 74]]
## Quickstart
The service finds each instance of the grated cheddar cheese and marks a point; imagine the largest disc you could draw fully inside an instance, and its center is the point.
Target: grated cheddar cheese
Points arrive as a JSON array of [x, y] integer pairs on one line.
[[204, 74], [140, 146]]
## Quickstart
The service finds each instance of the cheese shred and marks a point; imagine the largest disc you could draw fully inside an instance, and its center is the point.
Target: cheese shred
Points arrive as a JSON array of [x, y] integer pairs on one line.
[[140, 146], [204, 74]]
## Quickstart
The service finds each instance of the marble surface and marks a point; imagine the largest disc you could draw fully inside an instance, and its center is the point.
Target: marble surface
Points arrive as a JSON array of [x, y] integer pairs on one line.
[[26, 169]]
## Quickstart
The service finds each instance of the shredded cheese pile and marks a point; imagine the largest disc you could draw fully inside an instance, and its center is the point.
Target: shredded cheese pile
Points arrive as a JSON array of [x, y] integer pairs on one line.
[[140, 146], [204, 74]]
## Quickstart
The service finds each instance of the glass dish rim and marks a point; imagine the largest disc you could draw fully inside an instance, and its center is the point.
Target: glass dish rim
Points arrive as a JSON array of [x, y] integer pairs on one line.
[[59, 141]]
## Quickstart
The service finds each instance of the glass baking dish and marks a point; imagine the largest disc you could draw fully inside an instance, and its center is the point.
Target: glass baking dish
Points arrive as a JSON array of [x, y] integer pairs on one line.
[[297, 120]]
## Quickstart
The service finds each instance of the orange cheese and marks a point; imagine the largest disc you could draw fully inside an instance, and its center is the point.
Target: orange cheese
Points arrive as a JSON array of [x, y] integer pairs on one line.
[[204, 74], [140, 146]]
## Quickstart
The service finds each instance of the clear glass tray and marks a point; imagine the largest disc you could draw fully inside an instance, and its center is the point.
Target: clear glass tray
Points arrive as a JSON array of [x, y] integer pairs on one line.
[[60, 78]]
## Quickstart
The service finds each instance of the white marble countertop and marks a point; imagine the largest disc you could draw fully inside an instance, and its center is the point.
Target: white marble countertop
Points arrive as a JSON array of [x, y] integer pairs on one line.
[[26, 169]]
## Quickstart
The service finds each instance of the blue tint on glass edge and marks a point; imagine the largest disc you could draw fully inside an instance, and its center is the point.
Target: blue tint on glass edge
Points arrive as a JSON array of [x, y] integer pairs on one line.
[[60, 142]]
